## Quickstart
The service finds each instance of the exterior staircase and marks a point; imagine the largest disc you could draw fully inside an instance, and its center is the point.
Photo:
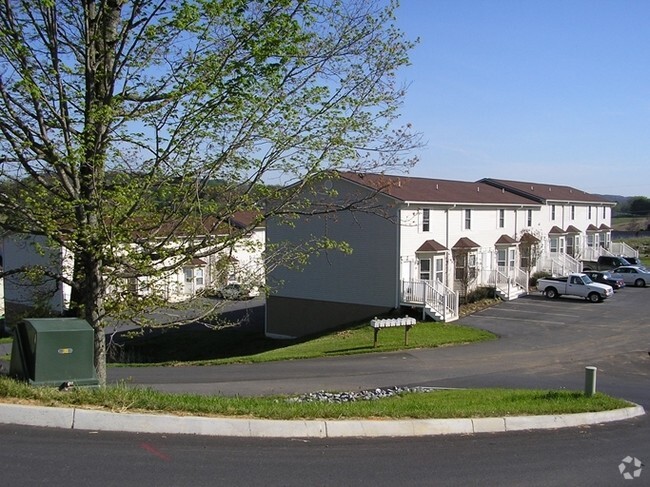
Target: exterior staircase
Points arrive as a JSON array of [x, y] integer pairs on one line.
[[437, 301]]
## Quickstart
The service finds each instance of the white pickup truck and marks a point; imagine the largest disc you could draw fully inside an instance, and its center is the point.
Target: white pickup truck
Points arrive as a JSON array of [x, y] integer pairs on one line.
[[577, 284]]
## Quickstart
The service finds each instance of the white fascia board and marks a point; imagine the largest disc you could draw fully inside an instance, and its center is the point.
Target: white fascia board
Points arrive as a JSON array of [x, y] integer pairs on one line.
[[461, 203]]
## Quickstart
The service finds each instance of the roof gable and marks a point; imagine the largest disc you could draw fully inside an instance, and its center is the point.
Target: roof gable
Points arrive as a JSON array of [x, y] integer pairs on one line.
[[431, 246], [465, 243]]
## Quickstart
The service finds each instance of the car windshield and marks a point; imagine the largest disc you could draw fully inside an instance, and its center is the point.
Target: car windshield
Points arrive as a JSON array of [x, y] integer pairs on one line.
[[607, 275], [587, 280]]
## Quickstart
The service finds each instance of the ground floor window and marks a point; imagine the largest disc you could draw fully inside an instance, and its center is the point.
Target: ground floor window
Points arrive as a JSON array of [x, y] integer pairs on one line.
[[425, 269]]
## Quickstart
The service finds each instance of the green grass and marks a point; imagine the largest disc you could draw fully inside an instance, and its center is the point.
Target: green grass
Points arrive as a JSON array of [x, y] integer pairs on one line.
[[206, 347], [437, 404]]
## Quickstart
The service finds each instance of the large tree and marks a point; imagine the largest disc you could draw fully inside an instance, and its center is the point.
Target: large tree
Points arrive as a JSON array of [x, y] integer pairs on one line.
[[118, 117]]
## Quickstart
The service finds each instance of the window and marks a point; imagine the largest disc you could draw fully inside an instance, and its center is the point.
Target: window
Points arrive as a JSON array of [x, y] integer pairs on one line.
[[552, 212], [425, 220], [465, 266], [425, 269], [553, 241], [589, 213], [198, 276], [573, 212], [501, 259], [502, 218], [604, 212], [529, 220], [440, 266], [468, 219]]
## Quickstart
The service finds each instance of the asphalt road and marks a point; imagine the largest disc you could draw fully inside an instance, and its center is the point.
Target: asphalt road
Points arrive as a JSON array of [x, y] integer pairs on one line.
[[543, 344]]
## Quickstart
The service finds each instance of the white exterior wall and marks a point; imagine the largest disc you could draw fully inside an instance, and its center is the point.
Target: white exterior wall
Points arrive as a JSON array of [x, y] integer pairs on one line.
[[447, 226], [30, 250]]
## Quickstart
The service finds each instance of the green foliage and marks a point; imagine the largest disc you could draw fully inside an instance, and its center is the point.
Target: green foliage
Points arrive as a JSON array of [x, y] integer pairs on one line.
[[116, 124], [537, 276]]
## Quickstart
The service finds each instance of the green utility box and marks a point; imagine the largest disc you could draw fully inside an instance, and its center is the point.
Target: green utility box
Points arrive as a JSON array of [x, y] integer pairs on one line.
[[54, 352]]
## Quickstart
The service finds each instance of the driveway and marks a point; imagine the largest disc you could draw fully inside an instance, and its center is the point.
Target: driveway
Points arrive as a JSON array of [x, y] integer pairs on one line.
[[543, 344]]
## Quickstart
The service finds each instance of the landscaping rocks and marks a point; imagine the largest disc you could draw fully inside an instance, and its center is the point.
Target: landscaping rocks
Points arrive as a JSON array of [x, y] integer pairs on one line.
[[368, 395]]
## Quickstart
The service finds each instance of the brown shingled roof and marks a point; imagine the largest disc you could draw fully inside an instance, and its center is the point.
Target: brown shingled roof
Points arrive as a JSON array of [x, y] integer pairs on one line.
[[506, 240], [431, 246], [572, 229], [465, 243], [543, 192], [592, 228], [405, 188], [604, 226], [556, 230], [529, 238]]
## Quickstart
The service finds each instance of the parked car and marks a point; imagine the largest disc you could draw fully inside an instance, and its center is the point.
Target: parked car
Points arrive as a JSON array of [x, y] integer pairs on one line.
[[636, 276], [606, 277], [234, 291], [635, 261], [604, 263]]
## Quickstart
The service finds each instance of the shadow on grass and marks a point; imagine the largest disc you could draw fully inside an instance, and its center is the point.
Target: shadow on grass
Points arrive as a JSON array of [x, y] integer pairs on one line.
[[192, 345]]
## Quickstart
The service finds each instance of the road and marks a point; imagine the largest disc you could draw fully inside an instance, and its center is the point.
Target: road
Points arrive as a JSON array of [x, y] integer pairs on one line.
[[543, 344]]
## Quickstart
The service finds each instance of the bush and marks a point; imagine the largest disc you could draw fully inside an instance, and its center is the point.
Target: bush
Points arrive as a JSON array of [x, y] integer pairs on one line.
[[481, 293], [537, 276]]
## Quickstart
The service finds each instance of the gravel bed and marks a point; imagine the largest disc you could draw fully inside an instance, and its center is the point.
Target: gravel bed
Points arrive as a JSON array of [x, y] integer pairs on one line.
[[368, 395]]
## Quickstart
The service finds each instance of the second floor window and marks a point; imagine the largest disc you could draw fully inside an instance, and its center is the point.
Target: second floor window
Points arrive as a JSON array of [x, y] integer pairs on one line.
[[552, 212], [573, 212], [425, 220], [604, 211], [468, 219], [502, 218], [589, 213], [529, 219]]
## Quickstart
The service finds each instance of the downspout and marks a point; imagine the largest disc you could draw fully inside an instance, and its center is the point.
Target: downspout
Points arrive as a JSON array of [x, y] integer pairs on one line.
[[398, 248]]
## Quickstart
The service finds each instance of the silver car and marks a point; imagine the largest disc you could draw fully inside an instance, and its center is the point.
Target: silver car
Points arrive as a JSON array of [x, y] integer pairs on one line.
[[636, 276]]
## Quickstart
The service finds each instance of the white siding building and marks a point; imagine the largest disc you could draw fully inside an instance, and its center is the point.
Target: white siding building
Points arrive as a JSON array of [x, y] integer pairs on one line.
[[427, 241]]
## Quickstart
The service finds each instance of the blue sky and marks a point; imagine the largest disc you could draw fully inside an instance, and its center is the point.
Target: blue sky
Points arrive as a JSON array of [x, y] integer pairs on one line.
[[547, 91]]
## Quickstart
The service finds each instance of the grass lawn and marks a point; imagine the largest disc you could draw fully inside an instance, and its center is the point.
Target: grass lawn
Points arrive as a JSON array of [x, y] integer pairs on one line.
[[208, 347], [437, 404]]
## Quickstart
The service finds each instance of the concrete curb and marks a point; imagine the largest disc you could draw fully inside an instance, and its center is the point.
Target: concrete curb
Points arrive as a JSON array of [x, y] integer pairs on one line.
[[92, 420]]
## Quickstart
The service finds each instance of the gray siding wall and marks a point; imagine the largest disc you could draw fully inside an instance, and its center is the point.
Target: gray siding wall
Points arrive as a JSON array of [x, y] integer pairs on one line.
[[367, 276]]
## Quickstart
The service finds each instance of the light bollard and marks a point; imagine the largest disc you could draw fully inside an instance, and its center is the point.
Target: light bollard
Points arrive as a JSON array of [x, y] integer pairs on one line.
[[590, 381]]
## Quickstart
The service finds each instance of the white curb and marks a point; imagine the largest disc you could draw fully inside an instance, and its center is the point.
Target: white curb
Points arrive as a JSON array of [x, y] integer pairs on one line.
[[93, 420]]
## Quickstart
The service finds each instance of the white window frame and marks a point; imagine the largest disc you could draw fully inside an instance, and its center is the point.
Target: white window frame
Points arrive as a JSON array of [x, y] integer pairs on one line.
[[553, 212], [426, 219], [468, 219], [530, 218], [502, 218], [425, 274]]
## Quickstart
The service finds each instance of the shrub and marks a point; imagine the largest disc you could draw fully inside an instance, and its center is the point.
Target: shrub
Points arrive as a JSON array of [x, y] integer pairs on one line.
[[536, 276], [480, 293]]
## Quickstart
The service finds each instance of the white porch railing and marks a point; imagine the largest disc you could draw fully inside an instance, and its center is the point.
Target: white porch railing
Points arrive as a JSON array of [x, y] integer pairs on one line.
[[505, 280], [624, 250], [559, 264], [432, 295]]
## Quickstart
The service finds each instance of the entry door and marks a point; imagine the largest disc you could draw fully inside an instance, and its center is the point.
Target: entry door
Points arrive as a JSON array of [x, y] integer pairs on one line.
[[193, 280]]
